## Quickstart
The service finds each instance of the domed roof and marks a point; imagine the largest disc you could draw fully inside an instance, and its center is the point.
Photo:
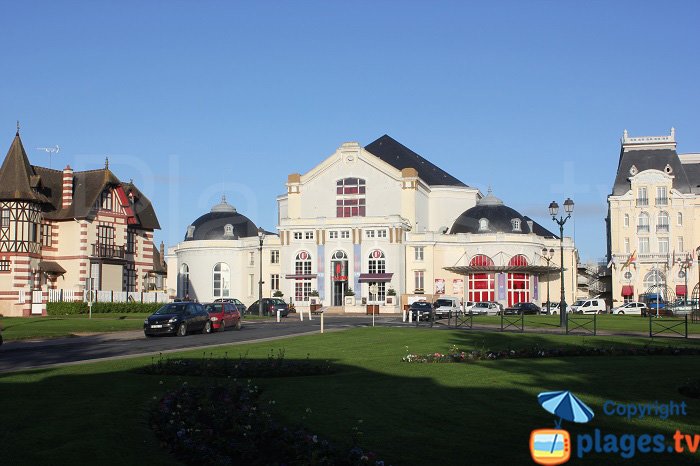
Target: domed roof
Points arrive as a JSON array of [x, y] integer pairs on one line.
[[222, 222], [490, 215]]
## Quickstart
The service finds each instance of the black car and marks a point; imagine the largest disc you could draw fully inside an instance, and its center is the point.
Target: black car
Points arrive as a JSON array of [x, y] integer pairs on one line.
[[270, 306], [239, 305], [178, 319], [523, 308], [421, 309]]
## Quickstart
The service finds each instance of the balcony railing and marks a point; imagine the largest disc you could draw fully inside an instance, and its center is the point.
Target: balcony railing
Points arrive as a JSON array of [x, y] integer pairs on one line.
[[642, 228], [642, 201], [107, 251], [661, 201], [662, 228]]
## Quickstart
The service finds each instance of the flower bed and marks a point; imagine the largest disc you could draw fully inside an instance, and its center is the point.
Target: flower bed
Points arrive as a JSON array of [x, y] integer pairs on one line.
[[225, 425], [273, 366], [457, 355]]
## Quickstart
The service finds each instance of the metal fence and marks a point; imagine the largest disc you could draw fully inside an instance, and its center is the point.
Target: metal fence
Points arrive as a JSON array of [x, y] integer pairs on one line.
[[670, 327], [106, 296]]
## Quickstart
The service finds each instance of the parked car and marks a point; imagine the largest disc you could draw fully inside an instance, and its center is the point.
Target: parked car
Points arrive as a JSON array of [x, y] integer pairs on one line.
[[655, 303], [446, 306], [553, 308], [420, 309], [223, 315], [239, 305], [178, 319], [589, 306], [468, 305], [486, 308], [523, 308], [270, 306], [631, 308], [681, 307]]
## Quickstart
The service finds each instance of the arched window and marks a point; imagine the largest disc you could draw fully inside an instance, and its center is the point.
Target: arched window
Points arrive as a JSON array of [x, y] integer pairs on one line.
[[350, 197], [518, 283], [376, 265], [516, 224], [483, 224], [228, 230], [222, 280], [626, 220], [662, 222], [643, 223], [481, 285], [655, 280], [302, 268], [184, 281], [679, 219]]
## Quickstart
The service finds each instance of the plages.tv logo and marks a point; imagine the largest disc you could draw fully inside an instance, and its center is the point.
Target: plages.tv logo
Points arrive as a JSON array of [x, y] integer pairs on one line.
[[553, 446]]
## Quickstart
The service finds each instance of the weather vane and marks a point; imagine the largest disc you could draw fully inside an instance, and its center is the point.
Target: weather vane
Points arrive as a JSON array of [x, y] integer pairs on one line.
[[50, 150]]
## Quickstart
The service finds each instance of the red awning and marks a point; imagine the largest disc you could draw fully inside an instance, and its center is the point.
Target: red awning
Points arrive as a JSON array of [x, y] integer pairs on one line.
[[375, 277], [300, 276], [680, 290], [627, 290]]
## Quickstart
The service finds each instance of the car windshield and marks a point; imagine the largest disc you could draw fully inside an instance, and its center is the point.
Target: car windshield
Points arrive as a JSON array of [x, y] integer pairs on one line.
[[278, 301], [481, 305], [443, 302], [578, 303], [421, 304], [213, 307], [173, 308]]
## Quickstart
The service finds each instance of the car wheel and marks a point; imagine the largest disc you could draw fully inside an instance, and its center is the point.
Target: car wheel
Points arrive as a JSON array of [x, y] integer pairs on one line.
[[148, 335], [238, 324], [621, 313], [554, 313], [207, 327], [222, 326], [182, 330]]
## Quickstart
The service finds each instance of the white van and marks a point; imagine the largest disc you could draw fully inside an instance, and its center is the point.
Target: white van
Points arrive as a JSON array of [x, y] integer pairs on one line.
[[589, 306], [446, 305]]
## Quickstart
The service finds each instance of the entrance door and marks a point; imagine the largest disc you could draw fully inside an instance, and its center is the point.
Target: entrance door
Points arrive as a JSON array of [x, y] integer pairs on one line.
[[338, 292]]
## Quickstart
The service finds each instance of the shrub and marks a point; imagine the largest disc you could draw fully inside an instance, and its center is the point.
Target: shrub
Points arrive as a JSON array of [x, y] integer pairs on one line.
[[68, 308], [277, 294]]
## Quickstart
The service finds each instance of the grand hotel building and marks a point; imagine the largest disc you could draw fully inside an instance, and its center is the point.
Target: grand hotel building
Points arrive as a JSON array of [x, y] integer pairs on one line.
[[367, 221]]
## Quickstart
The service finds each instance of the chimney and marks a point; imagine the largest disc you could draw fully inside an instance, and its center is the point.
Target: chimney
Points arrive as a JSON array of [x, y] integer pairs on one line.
[[67, 187], [162, 253]]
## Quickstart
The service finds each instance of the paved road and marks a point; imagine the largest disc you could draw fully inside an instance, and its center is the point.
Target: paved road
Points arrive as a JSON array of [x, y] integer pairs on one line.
[[20, 355]]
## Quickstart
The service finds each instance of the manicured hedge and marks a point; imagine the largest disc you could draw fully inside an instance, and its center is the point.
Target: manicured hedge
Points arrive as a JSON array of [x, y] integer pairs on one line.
[[59, 309]]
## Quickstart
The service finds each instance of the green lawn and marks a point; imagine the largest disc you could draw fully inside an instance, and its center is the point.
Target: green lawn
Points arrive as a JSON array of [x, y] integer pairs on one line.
[[24, 328], [412, 414]]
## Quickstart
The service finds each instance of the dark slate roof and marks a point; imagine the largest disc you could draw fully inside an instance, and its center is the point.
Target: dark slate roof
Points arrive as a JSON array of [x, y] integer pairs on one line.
[[499, 218], [211, 226], [692, 171], [142, 207], [399, 156], [18, 180], [651, 159]]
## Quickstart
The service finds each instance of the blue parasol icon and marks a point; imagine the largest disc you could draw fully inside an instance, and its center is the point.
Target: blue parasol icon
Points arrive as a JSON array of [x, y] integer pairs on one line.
[[565, 405]]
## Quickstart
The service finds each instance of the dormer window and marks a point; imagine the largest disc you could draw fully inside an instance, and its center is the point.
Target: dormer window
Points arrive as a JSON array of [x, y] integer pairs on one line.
[[105, 200], [190, 231], [516, 224], [228, 230], [483, 224]]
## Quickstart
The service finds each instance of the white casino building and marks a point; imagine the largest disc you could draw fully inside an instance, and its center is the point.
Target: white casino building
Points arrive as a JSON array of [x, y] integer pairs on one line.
[[373, 219]]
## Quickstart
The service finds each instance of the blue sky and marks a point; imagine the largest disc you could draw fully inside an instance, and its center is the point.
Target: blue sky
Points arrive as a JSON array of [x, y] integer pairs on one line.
[[196, 99]]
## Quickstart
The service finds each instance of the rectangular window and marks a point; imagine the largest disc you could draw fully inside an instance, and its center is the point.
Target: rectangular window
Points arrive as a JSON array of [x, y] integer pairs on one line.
[[297, 235], [309, 235], [274, 282], [644, 245], [680, 244], [661, 196], [345, 234], [4, 266], [380, 288], [251, 284], [332, 235], [419, 282], [5, 218], [34, 232], [302, 289], [46, 235], [369, 233], [106, 200], [381, 233], [251, 258], [679, 219], [418, 253], [663, 245], [130, 241], [642, 199], [627, 245], [275, 257], [627, 220]]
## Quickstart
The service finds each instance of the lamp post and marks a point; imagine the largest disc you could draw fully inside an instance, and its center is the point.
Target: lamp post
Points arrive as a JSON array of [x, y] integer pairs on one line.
[[553, 211], [548, 255], [261, 238]]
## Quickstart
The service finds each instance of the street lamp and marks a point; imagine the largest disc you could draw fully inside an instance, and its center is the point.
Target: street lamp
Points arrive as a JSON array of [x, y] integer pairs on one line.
[[553, 210], [261, 238], [548, 255]]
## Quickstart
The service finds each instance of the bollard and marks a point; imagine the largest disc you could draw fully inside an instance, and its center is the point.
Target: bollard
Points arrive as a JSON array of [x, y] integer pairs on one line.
[[410, 317], [278, 315], [310, 314], [404, 317], [322, 322], [301, 315]]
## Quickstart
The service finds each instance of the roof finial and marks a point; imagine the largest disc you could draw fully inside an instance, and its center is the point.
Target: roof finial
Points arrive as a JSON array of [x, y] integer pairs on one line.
[[489, 190], [223, 198], [106, 163], [17, 127]]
